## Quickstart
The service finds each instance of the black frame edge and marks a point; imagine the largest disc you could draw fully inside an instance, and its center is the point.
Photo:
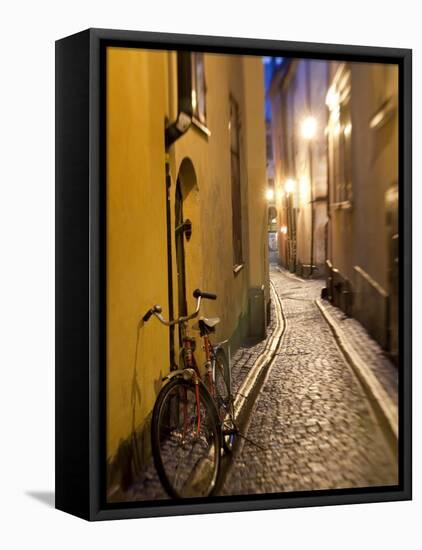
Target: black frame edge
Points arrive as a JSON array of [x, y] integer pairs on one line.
[[72, 420], [255, 46], [405, 177]]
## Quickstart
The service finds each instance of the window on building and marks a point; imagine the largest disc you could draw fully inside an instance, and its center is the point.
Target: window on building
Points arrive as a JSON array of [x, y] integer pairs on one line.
[[339, 136], [234, 127], [192, 86], [198, 87]]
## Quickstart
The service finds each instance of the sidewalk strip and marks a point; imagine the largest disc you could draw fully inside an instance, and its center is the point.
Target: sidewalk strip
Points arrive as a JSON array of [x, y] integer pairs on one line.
[[260, 366], [379, 396]]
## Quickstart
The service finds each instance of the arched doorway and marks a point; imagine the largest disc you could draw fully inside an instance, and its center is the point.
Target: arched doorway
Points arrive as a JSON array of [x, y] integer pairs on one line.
[[187, 235]]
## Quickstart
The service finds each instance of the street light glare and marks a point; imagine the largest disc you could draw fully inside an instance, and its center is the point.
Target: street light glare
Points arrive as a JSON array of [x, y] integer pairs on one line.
[[270, 195], [290, 186], [309, 127]]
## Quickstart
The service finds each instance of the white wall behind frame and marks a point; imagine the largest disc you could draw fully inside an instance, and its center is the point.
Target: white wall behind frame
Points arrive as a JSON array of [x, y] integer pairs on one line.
[[27, 272]]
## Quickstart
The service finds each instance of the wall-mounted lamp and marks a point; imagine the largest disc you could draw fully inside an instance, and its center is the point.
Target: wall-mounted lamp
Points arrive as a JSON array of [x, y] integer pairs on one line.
[[270, 194], [290, 186], [309, 127]]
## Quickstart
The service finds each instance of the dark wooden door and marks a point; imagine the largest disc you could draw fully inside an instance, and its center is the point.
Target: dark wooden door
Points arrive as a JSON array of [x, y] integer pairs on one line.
[[180, 251]]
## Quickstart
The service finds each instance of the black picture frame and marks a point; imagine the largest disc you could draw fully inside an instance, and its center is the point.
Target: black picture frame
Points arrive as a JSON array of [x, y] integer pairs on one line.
[[80, 272]]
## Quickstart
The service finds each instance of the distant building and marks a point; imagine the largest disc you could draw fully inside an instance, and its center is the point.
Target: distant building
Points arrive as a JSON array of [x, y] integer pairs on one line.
[[271, 199], [335, 144], [299, 118]]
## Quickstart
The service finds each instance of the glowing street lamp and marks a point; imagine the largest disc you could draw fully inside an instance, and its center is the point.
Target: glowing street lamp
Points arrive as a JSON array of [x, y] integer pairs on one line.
[[333, 99], [290, 185], [309, 127], [270, 194]]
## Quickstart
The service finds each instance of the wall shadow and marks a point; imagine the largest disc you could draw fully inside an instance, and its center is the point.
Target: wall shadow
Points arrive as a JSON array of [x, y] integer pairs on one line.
[[45, 497]]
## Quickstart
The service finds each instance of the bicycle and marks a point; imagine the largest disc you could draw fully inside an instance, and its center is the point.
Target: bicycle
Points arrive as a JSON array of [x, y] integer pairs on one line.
[[193, 418]]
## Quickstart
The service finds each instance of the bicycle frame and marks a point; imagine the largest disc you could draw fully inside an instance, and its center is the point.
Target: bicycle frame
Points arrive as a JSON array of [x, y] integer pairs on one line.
[[190, 369]]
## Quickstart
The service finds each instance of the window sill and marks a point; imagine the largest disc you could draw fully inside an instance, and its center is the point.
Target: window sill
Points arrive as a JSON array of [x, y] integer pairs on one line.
[[238, 268], [201, 127]]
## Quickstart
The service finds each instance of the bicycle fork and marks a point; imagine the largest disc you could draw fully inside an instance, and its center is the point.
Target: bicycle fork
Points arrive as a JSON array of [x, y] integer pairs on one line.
[[209, 365]]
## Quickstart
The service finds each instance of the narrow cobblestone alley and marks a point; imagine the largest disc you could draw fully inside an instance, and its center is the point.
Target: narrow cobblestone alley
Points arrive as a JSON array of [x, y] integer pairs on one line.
[[312, 416]]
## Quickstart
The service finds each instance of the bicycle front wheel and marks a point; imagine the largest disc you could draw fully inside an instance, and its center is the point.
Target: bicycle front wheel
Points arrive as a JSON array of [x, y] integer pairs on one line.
[[186, 439]]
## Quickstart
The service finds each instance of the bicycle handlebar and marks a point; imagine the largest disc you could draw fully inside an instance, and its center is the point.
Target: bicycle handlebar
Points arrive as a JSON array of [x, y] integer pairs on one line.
[[156, 310], [207, 295]]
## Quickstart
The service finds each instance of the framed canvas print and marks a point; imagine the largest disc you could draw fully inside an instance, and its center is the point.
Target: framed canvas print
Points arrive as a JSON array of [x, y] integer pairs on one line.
[[233, 243]]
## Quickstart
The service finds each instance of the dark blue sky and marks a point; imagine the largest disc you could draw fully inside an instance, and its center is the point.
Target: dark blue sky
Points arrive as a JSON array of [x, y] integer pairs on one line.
[[271, 64]]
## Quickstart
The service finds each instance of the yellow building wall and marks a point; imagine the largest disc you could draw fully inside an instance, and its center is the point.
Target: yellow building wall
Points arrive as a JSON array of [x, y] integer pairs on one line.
[[255, 153], [209, 253], [141, 92], [136, 236]]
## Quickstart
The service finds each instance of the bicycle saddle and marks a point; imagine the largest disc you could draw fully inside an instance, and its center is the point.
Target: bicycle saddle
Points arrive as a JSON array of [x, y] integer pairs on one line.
[[206, 322], [210, 321]]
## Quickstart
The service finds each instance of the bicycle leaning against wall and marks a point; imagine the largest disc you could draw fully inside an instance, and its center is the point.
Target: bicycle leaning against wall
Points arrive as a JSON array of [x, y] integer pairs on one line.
[[193, 416]]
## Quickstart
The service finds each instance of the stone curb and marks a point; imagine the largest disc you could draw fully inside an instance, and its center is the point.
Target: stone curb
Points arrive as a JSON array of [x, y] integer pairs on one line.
[[385, 407], [252, 383], [249, 390]]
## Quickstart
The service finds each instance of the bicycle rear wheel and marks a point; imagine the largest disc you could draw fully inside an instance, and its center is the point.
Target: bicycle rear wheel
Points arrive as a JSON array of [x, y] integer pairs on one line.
[[224, 400], [186, 439]]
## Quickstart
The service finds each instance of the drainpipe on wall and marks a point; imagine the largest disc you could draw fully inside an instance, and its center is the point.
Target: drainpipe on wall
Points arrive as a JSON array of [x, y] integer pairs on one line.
[[174, 131], [169, 262]]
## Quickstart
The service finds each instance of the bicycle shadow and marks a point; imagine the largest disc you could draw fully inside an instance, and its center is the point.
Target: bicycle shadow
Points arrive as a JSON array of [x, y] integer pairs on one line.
[[134, 452], [136, 394]]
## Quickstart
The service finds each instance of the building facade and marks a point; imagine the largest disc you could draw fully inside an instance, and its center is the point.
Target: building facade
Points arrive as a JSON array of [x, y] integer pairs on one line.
[[299, 117], [186, 209], [335, 144], [362, 254]]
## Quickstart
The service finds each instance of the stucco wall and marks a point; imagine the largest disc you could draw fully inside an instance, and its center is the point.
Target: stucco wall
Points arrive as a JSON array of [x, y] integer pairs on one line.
[[142, 92], [359, 239], [136, 235]]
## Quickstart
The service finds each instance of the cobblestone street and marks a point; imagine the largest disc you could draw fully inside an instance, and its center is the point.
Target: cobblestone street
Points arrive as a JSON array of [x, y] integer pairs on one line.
[[312, 416]]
